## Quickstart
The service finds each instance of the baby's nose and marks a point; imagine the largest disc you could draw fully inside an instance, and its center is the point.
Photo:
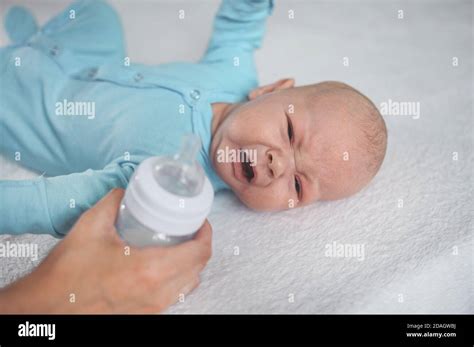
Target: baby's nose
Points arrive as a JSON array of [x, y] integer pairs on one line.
[[276, 164]]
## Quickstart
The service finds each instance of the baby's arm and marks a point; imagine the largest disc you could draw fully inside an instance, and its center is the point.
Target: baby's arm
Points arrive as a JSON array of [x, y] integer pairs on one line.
[[239, 27], [52, 205]]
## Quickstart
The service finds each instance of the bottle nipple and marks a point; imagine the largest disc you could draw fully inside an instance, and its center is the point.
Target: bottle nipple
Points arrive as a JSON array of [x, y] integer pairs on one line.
[[181, 174], [189, 148]]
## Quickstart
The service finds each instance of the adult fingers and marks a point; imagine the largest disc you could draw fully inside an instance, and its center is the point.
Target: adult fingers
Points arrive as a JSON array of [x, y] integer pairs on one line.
[[175, 290], [188, 256], [196, 252], [204, 234], [105, 211]]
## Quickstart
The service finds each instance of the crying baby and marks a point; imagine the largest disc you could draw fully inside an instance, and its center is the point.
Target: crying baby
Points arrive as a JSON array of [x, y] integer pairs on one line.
[[298, 145], [275, 146]]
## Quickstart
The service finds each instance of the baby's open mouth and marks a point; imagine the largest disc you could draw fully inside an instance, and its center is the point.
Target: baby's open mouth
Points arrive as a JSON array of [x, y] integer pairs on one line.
[[246, 168]]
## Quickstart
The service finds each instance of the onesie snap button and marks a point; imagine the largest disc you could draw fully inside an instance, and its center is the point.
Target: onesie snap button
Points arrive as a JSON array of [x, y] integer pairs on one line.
[[138, 77], [195, 94], [92, 73], [54, 50]]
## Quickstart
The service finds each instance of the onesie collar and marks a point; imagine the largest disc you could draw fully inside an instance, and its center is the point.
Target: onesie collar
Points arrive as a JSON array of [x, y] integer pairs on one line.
[[202, 120]]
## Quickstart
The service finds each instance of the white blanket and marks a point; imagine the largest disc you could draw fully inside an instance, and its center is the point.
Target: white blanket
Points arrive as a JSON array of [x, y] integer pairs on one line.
[[414, 221]]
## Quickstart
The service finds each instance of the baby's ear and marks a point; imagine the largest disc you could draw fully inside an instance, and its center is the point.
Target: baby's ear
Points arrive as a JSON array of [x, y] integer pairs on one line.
[[278, 85]]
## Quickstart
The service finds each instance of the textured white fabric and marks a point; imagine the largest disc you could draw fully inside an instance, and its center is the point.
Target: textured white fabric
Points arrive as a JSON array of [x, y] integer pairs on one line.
[[417, 258]]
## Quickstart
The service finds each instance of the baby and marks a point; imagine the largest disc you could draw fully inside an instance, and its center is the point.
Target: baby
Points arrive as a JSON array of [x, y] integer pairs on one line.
[[320, 142], [77, 110]]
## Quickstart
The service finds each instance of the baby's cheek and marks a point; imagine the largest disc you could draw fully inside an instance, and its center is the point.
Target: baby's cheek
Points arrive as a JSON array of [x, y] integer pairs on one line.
[[243, 130], [251, 130], [263, 199]]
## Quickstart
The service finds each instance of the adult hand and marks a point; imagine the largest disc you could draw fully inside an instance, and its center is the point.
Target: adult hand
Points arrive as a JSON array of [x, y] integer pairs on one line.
[[93, 270]]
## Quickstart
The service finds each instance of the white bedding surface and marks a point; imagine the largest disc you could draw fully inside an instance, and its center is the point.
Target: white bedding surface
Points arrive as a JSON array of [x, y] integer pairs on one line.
[[418, 258]]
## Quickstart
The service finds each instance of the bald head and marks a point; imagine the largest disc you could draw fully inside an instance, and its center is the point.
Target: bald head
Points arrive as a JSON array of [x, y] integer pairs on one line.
[[352, 137]]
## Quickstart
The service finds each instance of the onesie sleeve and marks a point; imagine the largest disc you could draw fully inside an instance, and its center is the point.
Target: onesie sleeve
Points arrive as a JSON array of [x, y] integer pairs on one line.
[[52, 205], [239, 27]]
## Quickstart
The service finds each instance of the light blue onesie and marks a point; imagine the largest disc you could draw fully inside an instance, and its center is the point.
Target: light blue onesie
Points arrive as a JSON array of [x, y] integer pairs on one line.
[[78, 58]]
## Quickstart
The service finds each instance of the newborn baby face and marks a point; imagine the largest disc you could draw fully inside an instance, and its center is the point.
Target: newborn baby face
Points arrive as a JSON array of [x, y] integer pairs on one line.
[[307, 144]]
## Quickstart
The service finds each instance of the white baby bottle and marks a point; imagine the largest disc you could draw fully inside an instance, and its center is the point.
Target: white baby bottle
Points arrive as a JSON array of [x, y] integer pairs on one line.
[[167, 199]]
